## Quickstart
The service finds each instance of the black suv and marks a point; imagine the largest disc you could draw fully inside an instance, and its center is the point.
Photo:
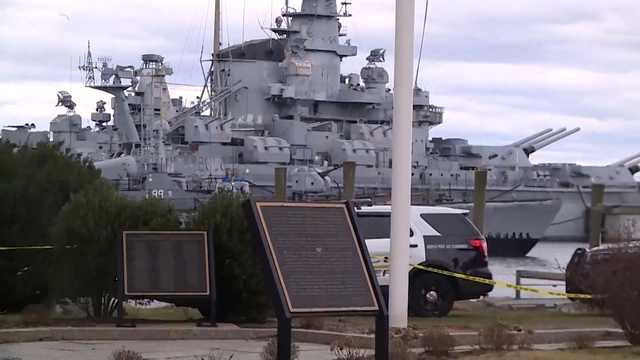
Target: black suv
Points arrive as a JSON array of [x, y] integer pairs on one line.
[[440, 237]]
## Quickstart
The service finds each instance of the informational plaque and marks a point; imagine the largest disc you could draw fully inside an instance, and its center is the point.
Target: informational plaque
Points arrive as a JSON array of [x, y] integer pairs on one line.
[[165, 263], [317, 256]]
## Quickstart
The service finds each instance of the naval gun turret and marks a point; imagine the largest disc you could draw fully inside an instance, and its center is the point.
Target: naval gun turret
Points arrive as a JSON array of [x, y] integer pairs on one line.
[[632, 163], [553, 137]]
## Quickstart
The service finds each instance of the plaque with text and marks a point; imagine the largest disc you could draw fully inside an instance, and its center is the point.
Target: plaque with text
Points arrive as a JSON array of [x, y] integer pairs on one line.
[[165, 263], [319, 262]]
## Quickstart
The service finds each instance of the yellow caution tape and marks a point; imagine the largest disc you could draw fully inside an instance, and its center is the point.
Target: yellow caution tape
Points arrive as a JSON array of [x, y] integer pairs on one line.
[[499, 283], [43, 247]]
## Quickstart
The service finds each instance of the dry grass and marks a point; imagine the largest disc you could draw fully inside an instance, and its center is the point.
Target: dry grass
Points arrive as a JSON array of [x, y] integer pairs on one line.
[[347, 350], [124, 354]]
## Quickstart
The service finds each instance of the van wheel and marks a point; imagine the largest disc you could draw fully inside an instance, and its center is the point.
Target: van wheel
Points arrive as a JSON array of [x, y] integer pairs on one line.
[[431, 296]]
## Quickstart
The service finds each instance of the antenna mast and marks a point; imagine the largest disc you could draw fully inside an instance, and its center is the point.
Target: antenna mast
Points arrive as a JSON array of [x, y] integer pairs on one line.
[[216, 29], [88, 67]]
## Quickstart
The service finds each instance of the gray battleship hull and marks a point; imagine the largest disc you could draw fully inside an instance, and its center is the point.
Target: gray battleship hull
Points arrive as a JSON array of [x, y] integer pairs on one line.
[[513, 228]]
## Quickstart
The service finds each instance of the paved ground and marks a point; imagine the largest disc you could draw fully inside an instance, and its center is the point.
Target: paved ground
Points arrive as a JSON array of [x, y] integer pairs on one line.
[[152, 350]]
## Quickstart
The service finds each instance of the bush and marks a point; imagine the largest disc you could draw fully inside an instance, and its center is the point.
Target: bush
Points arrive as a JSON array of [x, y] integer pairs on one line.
[[270, 350], [438, 342], [347, 350], [241, 295], [34, 185], [497, 337], [615, 277], [85, 235]]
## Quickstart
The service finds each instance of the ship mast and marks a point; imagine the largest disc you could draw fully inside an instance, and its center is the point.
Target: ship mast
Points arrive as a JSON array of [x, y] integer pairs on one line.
[[213, 70]]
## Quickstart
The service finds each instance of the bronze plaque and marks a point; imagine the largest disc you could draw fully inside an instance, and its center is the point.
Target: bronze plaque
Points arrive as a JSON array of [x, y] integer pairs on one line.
[[165, 263], [317, 256]]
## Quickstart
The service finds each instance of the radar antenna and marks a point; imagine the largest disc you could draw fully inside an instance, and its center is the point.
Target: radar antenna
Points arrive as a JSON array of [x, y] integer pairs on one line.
[[344, 9], [87, 67]]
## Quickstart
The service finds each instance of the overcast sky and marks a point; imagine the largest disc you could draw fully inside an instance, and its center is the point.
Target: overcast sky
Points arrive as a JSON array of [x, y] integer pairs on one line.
[[501, 68]]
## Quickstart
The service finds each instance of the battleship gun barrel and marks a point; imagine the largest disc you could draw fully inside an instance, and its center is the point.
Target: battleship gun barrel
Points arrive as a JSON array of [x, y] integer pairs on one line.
[[545, 137], [627, 161], [531, 137], [533, 148], [632, 163]]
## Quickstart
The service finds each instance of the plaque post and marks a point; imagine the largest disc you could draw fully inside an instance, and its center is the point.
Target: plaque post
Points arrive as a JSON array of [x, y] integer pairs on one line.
[[284, 338], [212, 282], [120, 284], [382, 335]]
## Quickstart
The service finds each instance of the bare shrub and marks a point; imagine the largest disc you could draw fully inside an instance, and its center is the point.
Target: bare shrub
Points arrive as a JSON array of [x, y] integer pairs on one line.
[[523, 340], [270, 350], [312, 323], [438, 342], [347, 350], [400, 349], [615, 278], [583, 341], [36, 314], [497, 337], [124, 354]]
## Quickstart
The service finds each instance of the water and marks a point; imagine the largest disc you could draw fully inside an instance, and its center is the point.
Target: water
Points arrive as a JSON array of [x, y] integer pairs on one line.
[[545, 256]]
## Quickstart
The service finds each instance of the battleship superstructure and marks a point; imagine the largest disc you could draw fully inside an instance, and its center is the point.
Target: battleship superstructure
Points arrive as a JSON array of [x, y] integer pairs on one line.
[[283, 102]]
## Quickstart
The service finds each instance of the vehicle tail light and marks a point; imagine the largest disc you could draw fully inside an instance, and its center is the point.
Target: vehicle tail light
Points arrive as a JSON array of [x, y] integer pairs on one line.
[[480, 245]]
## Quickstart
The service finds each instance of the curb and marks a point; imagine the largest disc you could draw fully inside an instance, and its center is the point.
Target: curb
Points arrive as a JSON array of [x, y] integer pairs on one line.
[[467, 338]]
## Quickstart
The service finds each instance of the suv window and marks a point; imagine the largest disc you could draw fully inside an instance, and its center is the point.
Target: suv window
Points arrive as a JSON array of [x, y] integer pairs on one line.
[[451, 225], [374, 226]]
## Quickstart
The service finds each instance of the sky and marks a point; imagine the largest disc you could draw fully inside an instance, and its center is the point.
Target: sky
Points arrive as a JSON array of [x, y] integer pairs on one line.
[[502, 69]]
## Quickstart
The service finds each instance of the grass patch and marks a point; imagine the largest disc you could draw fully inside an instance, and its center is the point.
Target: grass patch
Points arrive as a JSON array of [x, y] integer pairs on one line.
[[479, 318], [592, 354]]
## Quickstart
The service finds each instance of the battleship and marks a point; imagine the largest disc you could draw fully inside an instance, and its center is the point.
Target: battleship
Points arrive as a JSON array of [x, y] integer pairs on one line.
[[282, 101]]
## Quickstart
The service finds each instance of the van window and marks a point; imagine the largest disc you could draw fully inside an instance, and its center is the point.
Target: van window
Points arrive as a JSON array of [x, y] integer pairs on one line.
[[374, 226], [451, 225]]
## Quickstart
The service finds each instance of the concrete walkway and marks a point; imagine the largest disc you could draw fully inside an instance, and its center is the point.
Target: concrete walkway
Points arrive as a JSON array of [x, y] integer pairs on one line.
[[151, 350]]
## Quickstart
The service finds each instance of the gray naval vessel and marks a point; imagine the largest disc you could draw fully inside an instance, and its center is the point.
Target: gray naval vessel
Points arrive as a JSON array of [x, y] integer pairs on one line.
[[282, 101]]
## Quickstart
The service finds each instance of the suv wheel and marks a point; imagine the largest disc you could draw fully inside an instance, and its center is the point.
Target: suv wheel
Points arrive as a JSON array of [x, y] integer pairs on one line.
[[431, 295]]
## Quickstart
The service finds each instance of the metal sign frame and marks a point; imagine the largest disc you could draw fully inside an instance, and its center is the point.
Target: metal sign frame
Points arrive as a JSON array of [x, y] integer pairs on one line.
[[274, 279], [205, 247], [122, 292]]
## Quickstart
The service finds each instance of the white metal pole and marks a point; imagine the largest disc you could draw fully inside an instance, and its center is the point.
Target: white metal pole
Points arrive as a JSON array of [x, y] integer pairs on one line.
[[401, 163]]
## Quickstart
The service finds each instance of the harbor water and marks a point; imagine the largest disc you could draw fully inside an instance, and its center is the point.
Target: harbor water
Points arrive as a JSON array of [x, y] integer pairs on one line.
[[545, 256]]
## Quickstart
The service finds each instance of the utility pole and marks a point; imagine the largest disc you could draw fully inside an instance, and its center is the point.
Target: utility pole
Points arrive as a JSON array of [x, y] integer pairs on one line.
[[401, 163]]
